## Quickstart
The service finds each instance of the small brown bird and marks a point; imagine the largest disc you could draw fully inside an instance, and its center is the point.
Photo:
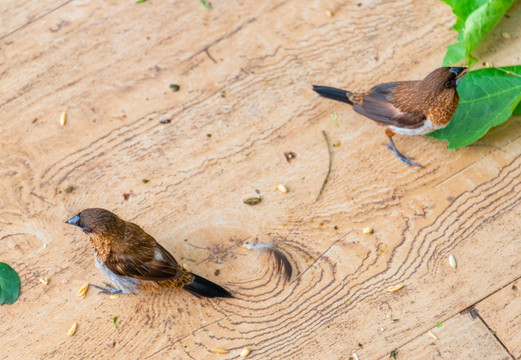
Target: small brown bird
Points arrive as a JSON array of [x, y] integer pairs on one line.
[[406, 107], [133, 260]]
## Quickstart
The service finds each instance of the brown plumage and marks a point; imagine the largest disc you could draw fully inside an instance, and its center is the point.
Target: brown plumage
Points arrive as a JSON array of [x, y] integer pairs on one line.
[[133, 260], [406, 107]]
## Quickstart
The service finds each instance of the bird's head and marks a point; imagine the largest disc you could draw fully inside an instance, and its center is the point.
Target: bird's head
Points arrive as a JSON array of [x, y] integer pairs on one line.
[[444, 78], [96, 221], [439, 86]]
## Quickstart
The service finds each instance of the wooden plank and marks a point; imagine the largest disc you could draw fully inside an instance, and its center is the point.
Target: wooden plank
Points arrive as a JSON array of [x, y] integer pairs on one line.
[[111, 67], [15, 15], [501, 311], [460, 337]]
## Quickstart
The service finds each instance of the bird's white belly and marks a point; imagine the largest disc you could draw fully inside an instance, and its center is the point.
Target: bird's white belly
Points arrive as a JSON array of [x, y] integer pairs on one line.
[[426, 128], [126, 283]]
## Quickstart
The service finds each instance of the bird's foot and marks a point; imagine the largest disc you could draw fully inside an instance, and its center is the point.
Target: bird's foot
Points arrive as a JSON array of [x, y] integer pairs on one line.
[[403, 158], [108, 290]]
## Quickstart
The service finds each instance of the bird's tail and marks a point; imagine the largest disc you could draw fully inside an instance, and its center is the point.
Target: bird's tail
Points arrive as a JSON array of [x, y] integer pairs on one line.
[[333, 93], [202, 287]]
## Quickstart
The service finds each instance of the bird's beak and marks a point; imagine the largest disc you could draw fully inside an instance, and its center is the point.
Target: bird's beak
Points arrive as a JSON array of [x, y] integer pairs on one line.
[[73, 220], [459, 72]]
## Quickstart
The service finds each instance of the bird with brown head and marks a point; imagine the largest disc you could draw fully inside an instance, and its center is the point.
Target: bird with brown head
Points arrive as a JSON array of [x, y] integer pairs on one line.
[[406, 107], [133, 260]]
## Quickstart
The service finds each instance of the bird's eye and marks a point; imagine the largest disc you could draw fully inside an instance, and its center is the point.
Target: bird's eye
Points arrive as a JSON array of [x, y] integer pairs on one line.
[[448, 84]]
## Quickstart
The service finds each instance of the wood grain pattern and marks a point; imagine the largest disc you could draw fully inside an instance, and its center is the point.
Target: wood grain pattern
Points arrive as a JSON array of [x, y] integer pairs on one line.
[[245, 70], [462, 337], [501, 312]]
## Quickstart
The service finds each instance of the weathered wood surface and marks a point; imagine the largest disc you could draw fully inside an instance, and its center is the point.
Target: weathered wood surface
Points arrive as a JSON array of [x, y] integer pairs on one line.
[[245, 69], [502, 311], [464, 336]]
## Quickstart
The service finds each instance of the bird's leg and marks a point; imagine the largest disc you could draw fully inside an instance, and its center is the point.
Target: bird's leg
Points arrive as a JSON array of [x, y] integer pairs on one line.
[[108, 290], [403, 158]]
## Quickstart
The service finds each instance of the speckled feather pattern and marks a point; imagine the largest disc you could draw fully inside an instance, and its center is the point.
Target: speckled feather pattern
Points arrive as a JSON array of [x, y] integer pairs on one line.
[[428, 99], [132, 259]]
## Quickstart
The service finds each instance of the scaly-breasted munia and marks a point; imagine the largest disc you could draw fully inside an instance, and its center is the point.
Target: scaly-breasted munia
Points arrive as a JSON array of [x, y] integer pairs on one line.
[[133, 260], [406, 107]]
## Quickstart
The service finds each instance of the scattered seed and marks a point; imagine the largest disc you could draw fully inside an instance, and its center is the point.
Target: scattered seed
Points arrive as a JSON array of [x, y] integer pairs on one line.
[[355, 357], [206, 4], [452, 261], [63, 118], [70, 189], [44, 281], [337, 144], [290, 156], [165, 121], [334, 117], [83, 290], [72, 330], [329, 13], [175, 87], [113, 296], [433, 336], [245, 352], [126, 196], [395, 288], [283, 189], [144, 181], [506, 35], [487, 64], [368, 231], [253, 200], [219, 351], [208, 135]]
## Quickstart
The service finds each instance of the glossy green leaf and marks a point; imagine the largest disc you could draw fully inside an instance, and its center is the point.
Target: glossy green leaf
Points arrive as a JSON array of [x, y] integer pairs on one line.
[[487, 99], [517, 110], [474, 20], [9, 284]]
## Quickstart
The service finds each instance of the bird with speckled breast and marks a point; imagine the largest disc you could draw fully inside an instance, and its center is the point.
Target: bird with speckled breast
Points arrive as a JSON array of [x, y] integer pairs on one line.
[[133, 260], [406, 107]]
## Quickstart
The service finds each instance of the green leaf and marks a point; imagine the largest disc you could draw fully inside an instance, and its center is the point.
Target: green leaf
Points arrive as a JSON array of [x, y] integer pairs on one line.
[[9, 284], [438, 324], [140, 1], [517, 110], [474, 20], [487, 99]]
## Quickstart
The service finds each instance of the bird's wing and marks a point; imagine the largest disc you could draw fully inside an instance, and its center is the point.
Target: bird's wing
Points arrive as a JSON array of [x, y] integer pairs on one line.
[[157, 265], [379, 105]]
